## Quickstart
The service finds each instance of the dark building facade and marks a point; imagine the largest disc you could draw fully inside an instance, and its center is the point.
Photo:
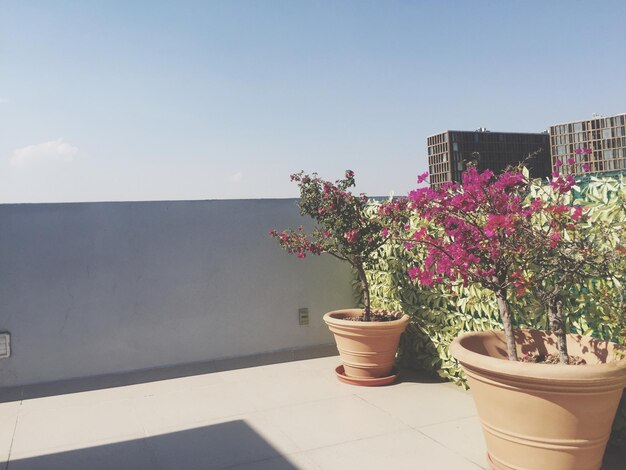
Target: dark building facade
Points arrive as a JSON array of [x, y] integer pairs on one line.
[[604, 137], [450, 152]]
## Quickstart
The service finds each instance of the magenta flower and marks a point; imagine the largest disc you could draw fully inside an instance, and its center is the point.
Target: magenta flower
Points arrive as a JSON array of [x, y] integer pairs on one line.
[[587, 151], [577, 214], [563, 185], [412, 272], [586, 167], [578, 151], [421, 178], [558, 162], [555, 238], [571, 160], [385, 232], [352, 235]]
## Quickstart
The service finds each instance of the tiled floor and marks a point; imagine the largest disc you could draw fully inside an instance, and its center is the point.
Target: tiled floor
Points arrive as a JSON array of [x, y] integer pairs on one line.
[[285, 416]]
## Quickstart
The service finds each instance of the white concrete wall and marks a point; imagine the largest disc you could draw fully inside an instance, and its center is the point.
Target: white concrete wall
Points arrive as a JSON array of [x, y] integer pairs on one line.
[[100, 288]]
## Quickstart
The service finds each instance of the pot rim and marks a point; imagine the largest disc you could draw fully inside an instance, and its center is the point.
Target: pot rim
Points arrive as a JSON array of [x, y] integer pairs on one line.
[[329, 318], [586, 372]]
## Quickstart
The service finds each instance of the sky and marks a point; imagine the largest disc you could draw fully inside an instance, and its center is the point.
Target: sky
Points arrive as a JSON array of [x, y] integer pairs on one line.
[[155, 100]]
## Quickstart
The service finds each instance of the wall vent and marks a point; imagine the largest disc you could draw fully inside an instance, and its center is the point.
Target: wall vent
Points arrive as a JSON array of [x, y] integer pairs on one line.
[[303, 316], [5, 345]]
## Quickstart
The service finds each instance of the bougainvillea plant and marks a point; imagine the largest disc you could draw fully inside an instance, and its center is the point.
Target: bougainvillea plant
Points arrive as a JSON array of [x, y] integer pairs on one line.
[[491, 231], [343, 227]]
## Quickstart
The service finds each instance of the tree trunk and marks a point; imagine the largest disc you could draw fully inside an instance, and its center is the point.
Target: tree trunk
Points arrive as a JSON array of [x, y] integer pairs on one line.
[[557, 325], [505, 315], [367, 312]]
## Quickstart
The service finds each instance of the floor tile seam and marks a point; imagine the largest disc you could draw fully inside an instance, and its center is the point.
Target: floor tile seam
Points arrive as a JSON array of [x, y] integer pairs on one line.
[[337, 444], [182, 389], [17, 417], [307, 402], [463, 418], [138, 420], [204, 422], [447, 421], [303, 373], [266, 459], [84, 445], [29, 410], [154, 460], [276, 429], [455, 452], [388, 413]]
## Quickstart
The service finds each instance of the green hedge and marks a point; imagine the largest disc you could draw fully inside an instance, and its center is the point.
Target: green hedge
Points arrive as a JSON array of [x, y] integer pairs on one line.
[[438, 315]]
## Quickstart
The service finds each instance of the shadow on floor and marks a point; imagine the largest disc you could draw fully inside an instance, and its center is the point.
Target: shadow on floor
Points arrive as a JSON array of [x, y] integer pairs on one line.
[[119, 379], [210, 447], [419, 376], [614, 458]]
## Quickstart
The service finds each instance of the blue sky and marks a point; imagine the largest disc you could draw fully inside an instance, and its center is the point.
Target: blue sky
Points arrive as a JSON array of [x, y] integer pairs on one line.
[[149, 100]]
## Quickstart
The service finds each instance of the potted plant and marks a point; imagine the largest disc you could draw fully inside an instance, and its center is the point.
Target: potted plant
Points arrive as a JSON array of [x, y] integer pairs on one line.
[[367, 340], [510, 235]]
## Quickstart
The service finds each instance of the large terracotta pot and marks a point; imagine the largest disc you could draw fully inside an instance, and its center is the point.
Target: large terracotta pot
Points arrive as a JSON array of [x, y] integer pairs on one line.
[[367, 349], [543, 416]]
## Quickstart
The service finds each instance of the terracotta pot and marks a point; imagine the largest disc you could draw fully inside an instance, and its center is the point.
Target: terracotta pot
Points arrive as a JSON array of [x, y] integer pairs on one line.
[[367, 349], [543, 416]]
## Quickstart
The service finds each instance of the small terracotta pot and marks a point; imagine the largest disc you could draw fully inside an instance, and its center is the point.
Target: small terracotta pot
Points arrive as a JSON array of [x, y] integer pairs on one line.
[[543, 416], [367, 349]]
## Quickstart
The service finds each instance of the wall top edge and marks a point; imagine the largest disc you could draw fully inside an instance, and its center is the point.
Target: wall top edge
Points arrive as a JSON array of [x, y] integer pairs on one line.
[[151, 201]]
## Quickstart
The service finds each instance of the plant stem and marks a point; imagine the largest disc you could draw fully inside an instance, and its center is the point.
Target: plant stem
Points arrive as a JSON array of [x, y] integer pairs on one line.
[[367, 312], [557, 325], [505, 315]]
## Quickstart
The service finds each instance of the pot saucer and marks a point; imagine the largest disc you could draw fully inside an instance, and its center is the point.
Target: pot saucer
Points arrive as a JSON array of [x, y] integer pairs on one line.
[[365, 382]]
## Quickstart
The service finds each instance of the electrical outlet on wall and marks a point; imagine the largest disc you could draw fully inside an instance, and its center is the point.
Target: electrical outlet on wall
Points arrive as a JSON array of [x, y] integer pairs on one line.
[[5, 345], [303, 316]]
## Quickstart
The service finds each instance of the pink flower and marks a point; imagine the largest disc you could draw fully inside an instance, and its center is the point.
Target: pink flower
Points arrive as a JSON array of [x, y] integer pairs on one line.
[[586, 167], [571, 160], [555, 238], [578, 151], [301, 254], [384, 232], [352, 235], [563, 185], [422, 276], [577, 214], [421, 178], [326, 233], [558, 162], [349, 174], [536, 203], [587, 151]]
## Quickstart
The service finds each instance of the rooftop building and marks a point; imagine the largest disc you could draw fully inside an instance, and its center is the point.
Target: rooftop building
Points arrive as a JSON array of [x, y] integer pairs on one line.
[[605, 136], [450, 152]]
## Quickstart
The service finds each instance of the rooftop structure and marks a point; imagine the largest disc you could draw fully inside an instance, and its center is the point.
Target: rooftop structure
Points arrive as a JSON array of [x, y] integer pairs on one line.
[[605, 136], [451, 151]]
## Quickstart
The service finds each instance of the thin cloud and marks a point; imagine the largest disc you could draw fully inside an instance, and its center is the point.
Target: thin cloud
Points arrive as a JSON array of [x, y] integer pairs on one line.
[[236, 178], [54, 151]]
